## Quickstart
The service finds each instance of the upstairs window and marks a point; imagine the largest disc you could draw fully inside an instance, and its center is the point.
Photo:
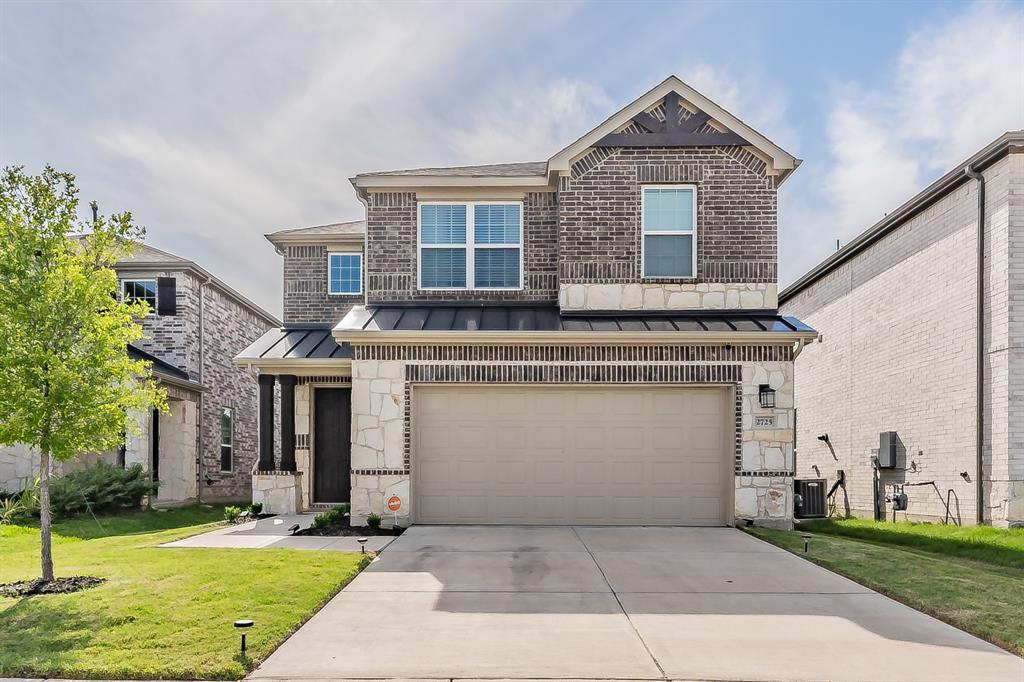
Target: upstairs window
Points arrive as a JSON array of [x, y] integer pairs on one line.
[[140, 290], [669, 221], [471, 245], [345, 273], [227, 439]]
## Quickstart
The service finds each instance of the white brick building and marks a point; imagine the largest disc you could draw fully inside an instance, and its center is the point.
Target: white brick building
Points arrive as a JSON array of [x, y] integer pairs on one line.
[[897, 310]]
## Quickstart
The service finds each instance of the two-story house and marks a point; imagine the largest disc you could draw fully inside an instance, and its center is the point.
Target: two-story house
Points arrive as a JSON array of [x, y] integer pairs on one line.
[[202, 447], [590, 339]]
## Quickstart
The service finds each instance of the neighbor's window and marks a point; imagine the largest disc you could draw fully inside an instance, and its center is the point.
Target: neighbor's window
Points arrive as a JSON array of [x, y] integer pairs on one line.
[[669, 239], [345, 273], [140, 290], [226, 439], [472, 245]]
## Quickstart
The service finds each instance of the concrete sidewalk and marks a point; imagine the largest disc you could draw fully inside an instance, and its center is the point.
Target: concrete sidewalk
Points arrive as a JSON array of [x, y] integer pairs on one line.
[[559, 603], [273, 532]]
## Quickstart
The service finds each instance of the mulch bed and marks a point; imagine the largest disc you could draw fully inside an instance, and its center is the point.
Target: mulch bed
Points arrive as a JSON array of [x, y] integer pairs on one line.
[[345, 530], [25, 588]]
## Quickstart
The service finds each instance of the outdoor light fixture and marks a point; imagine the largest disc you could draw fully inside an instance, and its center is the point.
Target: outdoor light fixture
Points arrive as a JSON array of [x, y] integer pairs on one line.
[[766, 394], [807, 540], [294, 529], [362, 544], [242, 625]]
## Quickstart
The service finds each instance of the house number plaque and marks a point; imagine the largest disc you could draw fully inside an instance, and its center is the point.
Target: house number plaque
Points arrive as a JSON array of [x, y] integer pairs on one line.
[[764, 422]]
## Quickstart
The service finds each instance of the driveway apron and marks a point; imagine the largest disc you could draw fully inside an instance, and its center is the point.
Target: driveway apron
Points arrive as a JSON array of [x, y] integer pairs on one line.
[[445, 602]]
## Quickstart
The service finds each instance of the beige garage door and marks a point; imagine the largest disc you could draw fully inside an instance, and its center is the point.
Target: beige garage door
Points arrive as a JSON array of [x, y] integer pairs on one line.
[[567, 455]]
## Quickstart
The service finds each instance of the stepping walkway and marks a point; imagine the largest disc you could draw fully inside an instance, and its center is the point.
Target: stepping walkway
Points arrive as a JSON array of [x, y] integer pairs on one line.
[[273, 532]]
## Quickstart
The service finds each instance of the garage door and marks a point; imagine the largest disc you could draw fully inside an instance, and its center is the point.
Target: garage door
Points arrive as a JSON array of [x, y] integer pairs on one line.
[[568, 455]]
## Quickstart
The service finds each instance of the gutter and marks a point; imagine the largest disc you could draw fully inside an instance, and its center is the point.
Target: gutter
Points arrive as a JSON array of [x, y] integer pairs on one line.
[[202, 397], [506, 338], [979, 426]]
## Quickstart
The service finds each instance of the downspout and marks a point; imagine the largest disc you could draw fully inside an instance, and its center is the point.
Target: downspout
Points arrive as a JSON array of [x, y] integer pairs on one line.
[[202, 394], [980, 350]]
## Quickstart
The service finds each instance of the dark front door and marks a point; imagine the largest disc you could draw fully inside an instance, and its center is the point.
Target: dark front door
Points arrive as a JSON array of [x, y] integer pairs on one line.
[[332, 445]]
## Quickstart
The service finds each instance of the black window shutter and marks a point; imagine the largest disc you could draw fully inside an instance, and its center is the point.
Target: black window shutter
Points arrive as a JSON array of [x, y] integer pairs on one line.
[[166, 296]]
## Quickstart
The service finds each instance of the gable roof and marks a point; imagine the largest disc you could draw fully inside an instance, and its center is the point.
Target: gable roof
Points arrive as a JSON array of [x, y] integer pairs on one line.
[[780, 162], [352, 231], [148, 258], [524, 169]]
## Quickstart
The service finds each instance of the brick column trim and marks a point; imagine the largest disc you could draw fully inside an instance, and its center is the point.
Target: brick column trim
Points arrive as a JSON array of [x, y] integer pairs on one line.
[[266, 383], [287, 382]]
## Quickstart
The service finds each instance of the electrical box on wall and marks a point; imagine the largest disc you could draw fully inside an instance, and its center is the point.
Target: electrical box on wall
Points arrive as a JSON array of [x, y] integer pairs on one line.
[[887, 449]]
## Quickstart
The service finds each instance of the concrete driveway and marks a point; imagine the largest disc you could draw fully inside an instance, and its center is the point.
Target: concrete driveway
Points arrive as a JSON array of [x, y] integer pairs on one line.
[[620, 603]]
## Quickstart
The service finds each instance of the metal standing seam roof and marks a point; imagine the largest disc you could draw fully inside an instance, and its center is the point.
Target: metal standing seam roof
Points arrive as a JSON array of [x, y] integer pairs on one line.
[[296, 343], [548, 318], [160, 367]]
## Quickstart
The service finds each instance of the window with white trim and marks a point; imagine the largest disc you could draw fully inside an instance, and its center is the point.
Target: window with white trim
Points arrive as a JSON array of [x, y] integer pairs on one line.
[[139, 290], [345, 273], [471, 245], [227, 439], [669, 222]]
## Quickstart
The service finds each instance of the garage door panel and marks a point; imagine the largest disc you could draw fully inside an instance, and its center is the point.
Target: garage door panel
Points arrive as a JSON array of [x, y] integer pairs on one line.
[[580, 455]]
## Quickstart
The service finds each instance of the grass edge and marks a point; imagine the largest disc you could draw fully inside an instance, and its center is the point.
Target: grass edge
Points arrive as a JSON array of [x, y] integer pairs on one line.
[[889, 594]]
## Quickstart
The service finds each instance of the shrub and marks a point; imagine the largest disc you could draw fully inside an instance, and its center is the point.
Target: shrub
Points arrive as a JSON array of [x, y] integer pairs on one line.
[[333, 515], [10, 510], [373, 521], [255, 509], [100, 488], [231, 513]]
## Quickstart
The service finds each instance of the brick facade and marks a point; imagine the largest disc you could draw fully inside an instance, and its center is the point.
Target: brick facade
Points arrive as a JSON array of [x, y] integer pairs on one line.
[[897, 353], [391, 224], [306, 300], [599, 215]]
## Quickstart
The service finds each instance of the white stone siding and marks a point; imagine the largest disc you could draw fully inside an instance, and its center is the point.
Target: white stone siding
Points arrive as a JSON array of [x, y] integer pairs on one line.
[[897, 353], [177, 453], [378, 433], [683, 296]]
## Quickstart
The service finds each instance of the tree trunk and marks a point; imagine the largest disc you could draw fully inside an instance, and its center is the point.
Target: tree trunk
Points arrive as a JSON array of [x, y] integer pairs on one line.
[[44, 515]]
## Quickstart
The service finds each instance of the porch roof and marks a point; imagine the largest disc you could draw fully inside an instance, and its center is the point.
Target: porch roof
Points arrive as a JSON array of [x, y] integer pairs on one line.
[[295, 343], [165, 371], [447, 319]]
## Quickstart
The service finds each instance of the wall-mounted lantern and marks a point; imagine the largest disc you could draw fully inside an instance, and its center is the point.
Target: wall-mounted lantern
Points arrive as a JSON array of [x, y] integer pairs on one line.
[[767, 396]]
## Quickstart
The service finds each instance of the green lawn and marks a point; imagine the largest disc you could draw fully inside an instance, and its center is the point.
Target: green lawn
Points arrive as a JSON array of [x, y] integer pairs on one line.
[[162, 613], [972, 578]]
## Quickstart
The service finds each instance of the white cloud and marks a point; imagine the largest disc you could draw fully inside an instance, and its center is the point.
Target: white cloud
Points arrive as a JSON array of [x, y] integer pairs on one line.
[[256, 121], [957, 85]]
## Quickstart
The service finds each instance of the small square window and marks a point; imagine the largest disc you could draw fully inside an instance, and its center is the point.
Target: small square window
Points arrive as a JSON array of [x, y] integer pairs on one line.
[[139, 290], [345, 273]]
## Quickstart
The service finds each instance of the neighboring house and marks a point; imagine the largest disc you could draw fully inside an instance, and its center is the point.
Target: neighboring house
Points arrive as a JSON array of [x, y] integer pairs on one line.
[[900, 322], [591, 339], [204, 446]]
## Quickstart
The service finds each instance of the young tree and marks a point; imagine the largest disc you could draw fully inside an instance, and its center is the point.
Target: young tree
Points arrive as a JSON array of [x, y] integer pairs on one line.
[[66, 381]]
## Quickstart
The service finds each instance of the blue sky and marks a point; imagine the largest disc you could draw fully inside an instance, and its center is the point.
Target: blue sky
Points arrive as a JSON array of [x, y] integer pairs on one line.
[[217, 122]]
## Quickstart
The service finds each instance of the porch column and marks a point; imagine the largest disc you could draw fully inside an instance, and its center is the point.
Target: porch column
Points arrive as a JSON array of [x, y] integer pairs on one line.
[[266, 382], [287, 382]]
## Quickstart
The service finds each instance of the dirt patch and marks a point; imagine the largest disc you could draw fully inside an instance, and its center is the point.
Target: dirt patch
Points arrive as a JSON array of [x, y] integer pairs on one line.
[[25, 588], [344, 530]]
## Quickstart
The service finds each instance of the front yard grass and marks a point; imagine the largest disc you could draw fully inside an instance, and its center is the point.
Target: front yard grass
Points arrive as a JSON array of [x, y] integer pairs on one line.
[[971, 578], [162, 612]]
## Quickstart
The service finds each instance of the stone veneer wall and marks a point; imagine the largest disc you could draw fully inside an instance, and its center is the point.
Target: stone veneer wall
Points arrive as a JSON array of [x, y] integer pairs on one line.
[[306, 300], [684, 296], [599, 214], [897, 353], [392, 257], [382, 376]]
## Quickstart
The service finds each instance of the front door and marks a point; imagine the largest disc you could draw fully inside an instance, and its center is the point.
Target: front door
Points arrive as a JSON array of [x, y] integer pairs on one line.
[[332, 444]]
